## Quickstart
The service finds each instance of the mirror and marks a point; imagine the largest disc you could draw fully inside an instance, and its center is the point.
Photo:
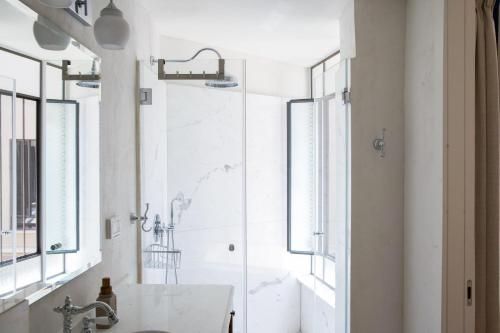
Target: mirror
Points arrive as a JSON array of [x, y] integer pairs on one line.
[[49, 155]]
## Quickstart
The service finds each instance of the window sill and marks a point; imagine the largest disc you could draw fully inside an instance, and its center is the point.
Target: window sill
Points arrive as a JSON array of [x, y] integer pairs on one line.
[[318, 288]]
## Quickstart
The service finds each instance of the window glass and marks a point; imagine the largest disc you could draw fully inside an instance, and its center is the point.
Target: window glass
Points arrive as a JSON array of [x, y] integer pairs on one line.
[[318, 162], [54, 83], [302, 173], [25, 71], [61, 174], [27, 178], [317, 81], [27, 236]]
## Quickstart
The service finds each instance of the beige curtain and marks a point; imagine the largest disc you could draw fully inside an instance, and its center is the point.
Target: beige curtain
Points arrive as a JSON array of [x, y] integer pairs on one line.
[[487, 238]]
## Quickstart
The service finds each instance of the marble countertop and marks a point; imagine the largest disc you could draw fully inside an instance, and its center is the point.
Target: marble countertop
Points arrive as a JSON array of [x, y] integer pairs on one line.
[[173, 308]]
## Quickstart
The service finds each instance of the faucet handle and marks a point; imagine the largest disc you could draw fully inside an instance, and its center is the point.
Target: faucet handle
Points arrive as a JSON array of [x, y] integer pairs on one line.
[[66, 307], [86, 324]]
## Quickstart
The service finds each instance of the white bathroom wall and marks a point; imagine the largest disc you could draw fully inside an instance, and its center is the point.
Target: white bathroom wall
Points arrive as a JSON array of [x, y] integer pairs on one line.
[[274, 300], [424, 134], [377, 84], [117, 155], [316, 314], [14, 320]]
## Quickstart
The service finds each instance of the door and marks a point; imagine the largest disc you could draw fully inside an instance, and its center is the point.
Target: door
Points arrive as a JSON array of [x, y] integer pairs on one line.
[[192, 175]]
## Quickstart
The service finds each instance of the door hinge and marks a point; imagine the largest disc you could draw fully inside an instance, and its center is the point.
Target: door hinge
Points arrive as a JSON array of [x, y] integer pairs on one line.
[[469, 292], [346, 96], [146, 96]]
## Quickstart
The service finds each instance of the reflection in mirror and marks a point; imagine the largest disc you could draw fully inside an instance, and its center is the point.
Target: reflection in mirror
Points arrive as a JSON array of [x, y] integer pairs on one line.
[[49, 155]]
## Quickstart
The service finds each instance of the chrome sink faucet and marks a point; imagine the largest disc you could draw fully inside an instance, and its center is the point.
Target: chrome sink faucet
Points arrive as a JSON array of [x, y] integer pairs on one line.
[[68, 310]]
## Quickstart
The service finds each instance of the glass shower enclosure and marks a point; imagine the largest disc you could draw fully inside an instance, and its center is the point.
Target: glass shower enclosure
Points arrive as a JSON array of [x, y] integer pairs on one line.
[[192, 179], [192, 162]]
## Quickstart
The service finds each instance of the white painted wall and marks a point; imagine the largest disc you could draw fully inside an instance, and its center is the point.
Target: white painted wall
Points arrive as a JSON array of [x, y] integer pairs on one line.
[[377, 183], [423, 166], [14, 319], [264, 76]]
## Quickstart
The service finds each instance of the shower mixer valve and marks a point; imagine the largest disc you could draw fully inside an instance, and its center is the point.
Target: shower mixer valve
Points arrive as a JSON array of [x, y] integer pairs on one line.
[[158, 229]]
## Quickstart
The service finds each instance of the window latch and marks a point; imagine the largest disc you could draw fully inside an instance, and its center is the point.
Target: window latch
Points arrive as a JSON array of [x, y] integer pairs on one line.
[[469, 292], [346, 96]]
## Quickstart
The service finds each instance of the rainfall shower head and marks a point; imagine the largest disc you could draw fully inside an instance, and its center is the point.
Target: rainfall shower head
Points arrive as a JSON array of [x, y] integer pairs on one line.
[[228, 81], [90, 84]]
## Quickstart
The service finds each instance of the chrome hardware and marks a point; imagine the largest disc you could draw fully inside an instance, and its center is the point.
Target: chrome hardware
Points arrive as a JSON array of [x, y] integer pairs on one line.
[[318, 233], [158, 229], [68, 310], [146, 96], [379, 144], [218, 75], [143, 219], [55, 246], [469, 292], [77, 77], [346, 96], [86, 324]]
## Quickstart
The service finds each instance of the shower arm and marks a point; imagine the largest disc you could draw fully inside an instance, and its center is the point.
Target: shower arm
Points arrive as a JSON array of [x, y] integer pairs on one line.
[[196, 54], [219, 75]]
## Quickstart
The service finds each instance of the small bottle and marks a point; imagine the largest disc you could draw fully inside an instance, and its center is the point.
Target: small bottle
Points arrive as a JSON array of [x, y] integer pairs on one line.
[[107, 296]]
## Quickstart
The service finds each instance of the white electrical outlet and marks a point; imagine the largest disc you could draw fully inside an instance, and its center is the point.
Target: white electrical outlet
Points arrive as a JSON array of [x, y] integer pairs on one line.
[[112, 227]]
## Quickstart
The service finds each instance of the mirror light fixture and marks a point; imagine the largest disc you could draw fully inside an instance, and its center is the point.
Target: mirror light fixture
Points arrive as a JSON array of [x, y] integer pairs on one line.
[[111, 30], [49, 36], [57, 3]]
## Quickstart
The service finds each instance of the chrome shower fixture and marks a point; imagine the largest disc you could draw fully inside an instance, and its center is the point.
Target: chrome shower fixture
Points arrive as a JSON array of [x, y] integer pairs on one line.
[[79, 77], [90, 83], [228, 81], [219, 79]]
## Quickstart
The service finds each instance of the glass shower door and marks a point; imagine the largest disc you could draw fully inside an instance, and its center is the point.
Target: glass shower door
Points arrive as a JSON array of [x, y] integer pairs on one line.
[[193, 177]]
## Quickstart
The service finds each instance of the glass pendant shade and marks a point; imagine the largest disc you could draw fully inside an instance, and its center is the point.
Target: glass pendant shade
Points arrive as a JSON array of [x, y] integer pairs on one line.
[[57, 3], [111, 30], [49, 36]]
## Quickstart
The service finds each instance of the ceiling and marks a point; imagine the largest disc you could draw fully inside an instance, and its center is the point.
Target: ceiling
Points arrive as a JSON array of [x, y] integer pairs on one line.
[[300, 32]]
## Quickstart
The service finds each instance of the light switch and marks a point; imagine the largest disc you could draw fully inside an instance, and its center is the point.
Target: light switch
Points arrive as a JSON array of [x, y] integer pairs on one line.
[[112, 227]]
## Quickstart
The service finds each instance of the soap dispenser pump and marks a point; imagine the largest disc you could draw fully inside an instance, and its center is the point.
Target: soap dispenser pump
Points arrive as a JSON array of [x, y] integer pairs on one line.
[[107, 296]]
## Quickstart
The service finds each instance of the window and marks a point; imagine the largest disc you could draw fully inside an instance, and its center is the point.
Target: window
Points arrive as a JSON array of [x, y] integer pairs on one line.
[[27, 226], [317, 169], [27, 178]]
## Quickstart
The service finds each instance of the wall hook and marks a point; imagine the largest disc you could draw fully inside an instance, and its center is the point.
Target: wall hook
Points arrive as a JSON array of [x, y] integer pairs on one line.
[[141, 219], [379, 144]]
